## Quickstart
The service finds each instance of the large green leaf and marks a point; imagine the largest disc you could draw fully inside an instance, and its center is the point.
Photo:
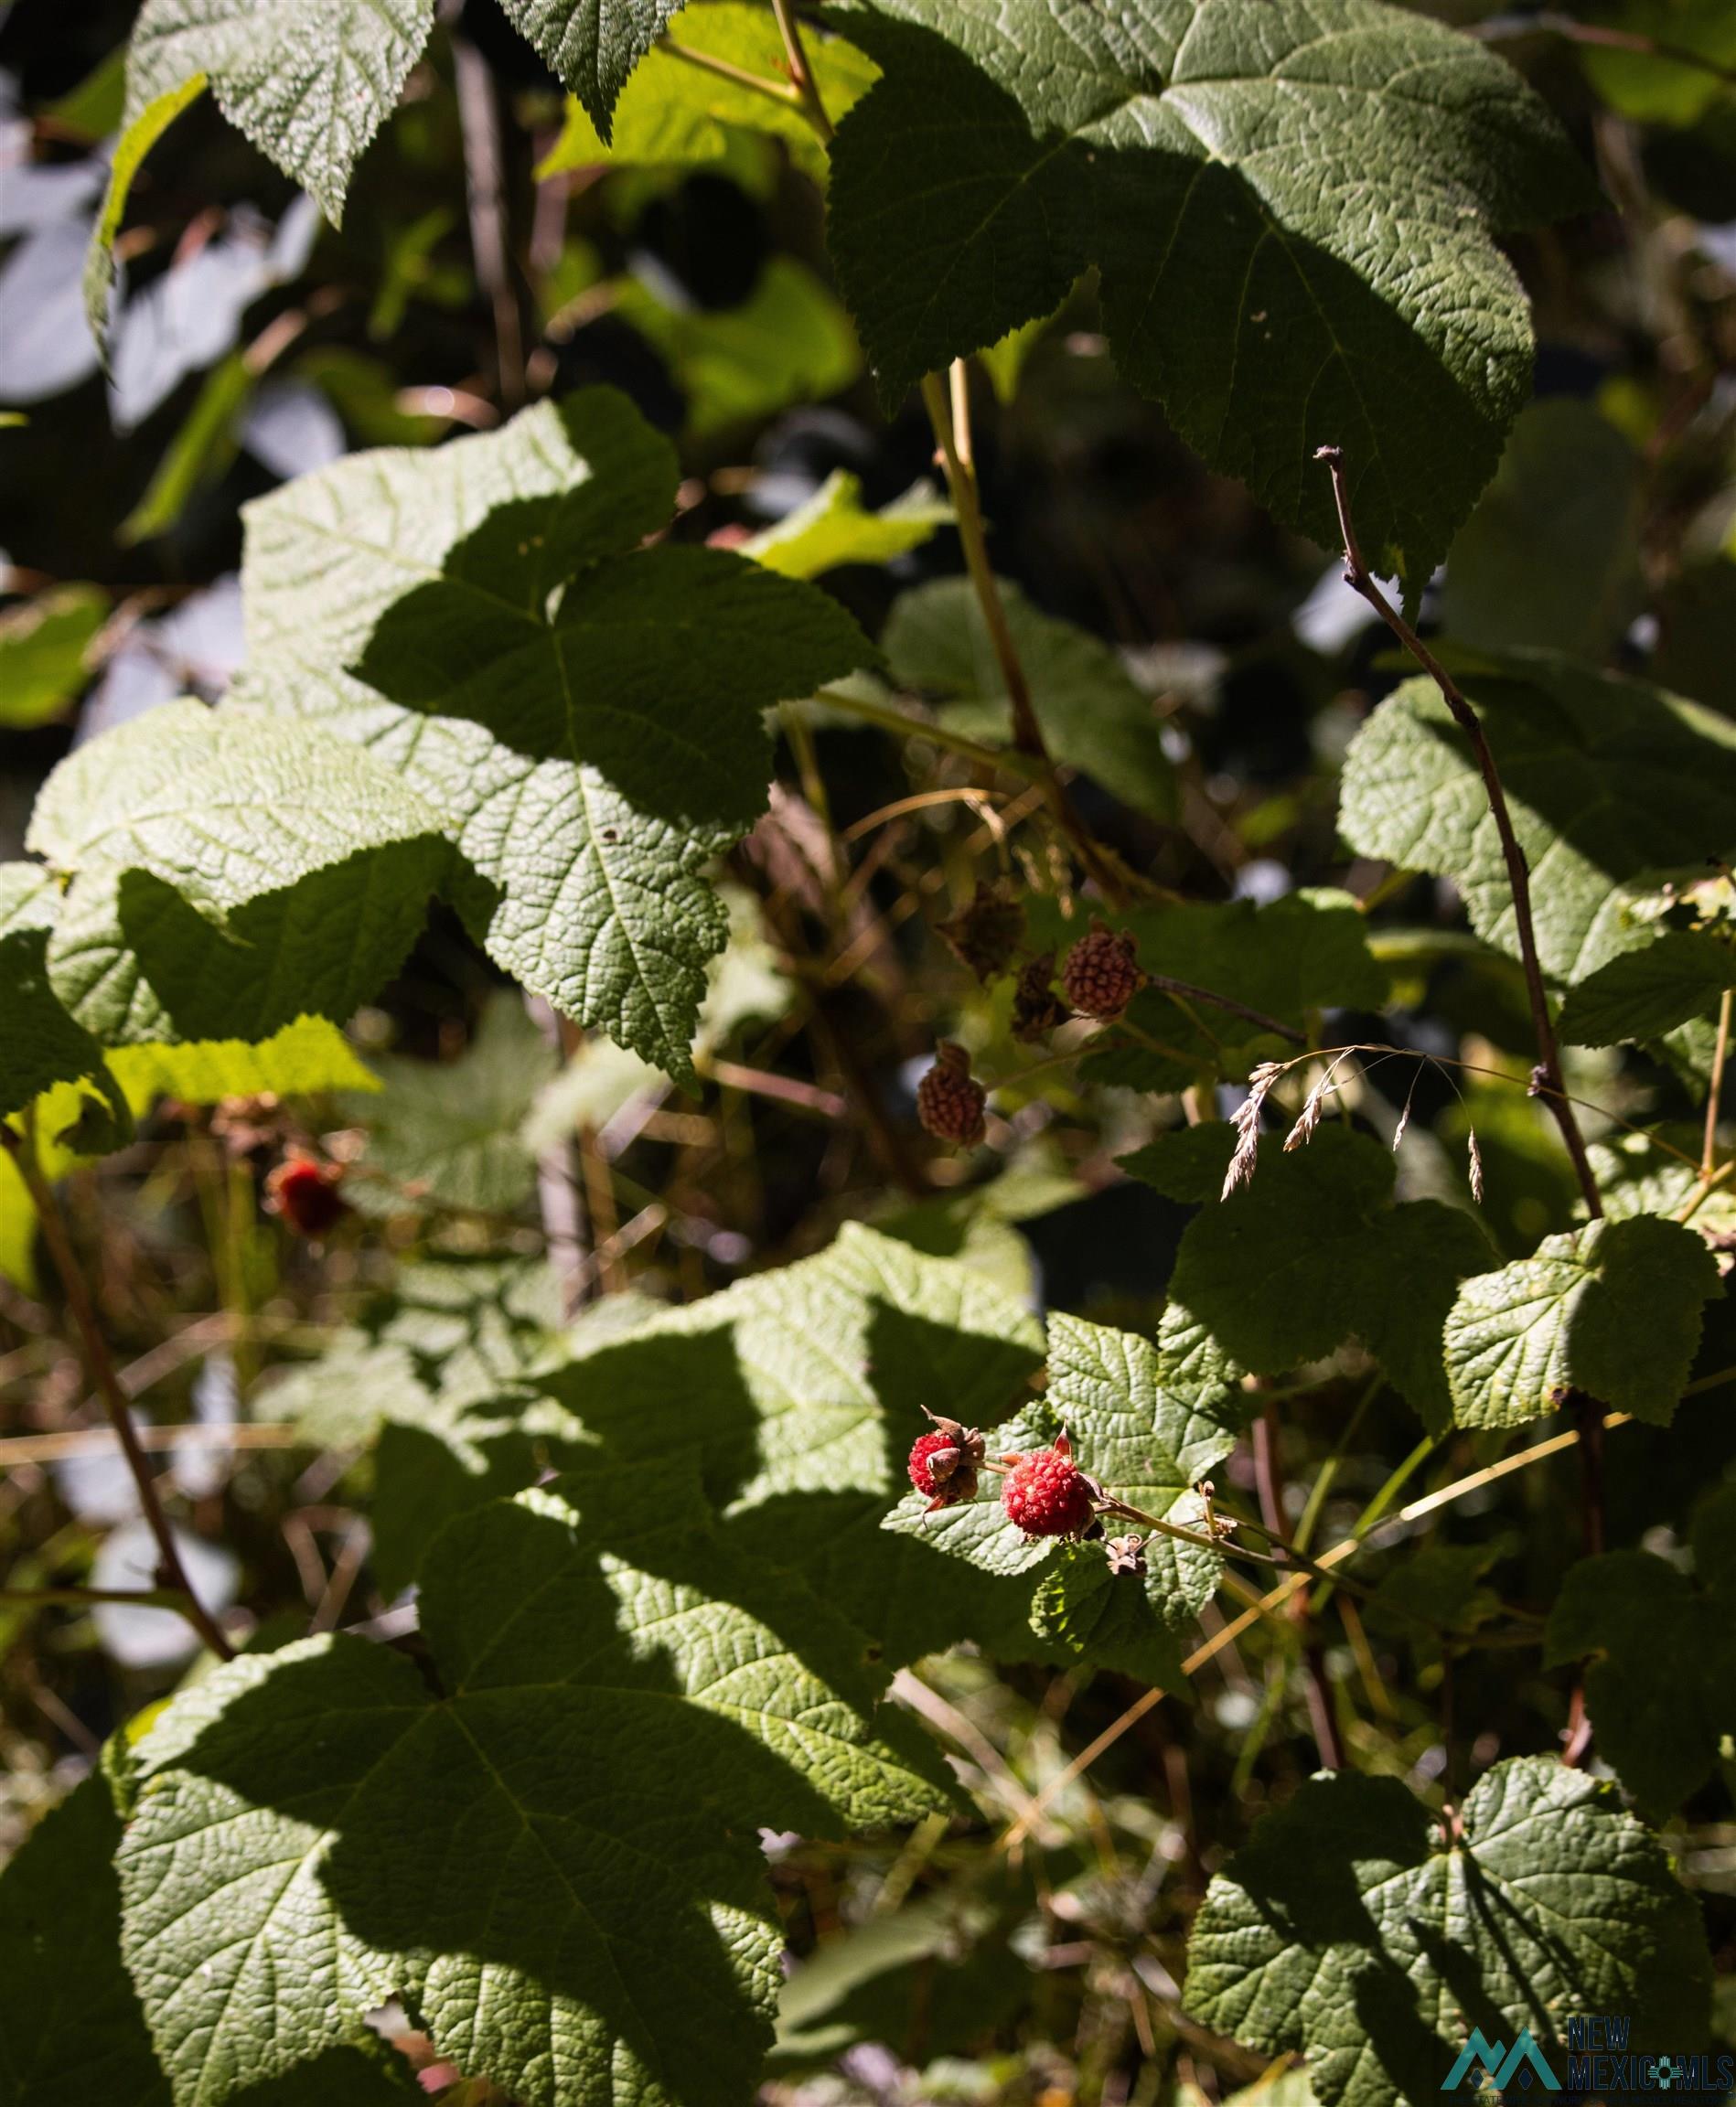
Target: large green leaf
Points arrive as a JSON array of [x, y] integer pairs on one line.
[[1290, 207], [1611, 783], [70, 2026], [623, 1701], [1613, 1310], [1661, 1683], [309, 81], [1095, 715], [226, 875], [586, 714], [1312, 1250], [43, 643], [1350, 1931]]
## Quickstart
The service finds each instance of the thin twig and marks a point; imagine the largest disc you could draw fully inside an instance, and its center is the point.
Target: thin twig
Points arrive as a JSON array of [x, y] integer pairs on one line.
[[479, 125], [1269, 1481], [1549, 24], [1027, 730], [1184, 990], [170, 1570], [707, 62], [1708, 1144], [1552, 1086]]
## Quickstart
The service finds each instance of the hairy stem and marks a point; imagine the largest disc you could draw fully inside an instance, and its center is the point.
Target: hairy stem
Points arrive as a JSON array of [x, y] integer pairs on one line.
[[100, 1366]]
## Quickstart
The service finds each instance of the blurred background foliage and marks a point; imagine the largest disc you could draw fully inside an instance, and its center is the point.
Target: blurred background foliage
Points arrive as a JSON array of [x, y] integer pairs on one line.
[[1202, 668]]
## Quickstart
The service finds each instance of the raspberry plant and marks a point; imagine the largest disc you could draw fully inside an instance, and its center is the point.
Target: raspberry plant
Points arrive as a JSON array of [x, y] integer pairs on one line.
[[583, 1525]]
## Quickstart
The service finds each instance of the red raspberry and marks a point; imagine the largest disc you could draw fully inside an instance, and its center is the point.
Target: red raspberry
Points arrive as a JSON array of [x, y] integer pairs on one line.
[[1046, 1493], [305, 1193], [943, 1465], [1101, 975], [949, 1100]]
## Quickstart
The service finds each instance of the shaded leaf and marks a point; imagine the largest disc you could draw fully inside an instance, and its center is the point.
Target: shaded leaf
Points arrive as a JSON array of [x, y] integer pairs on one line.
[[1613, 1310], [1346, 1930], [1290, 207]]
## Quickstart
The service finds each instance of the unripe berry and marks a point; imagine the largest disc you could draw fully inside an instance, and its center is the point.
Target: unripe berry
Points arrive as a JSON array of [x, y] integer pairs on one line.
[[1046, 1493], [1101, 975], [949, 1100], [305, 1193]]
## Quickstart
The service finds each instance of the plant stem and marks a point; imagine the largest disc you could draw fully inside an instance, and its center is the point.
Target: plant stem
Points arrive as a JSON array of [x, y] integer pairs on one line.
[[801, 75], [1184, 990], [138, 1598], [1547, 1078], [707, 62], [1027, 732], [170, 1570], [1708, 1145], [1269, 1478], [908, 727]]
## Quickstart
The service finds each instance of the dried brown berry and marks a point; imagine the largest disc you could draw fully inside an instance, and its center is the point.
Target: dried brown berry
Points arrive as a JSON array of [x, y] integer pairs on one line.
[[1035, 1008], [949, 1100], [1126, 1554], [1101, 974], [943, 1465], [305, 1193], [986, 931]]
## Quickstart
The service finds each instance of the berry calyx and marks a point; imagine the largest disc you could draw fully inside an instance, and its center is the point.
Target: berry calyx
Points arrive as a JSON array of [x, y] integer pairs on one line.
[[950, 1099], [1036, 1011], [1046, 1493], [1101, 974], [304, 1191], [985, 932], [943, 1465]]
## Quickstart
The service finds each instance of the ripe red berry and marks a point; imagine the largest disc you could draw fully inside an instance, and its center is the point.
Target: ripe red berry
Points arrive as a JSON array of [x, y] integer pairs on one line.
[[943, 1465], [1046, 1493], [305, 1193], [1101, 975], [949, 1100], [923, 1450]]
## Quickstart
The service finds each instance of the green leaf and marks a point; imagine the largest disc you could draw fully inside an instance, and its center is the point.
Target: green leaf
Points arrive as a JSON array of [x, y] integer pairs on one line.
[[1348, 1930], [1312, 1250], [1644, 994], [790, 341], [70, 2026], [41, 1044], [1148, 1422], [445, 1134], [1658, 1172], [674, 114], [1106, 1618], [1611, 783], [309, 83], [1094, 715], [804, 1389], [833, 527], [1569, 484], [624, 1700], [1613, 1310], [227, 874], [1650, 87], [590, 761], [146, 122], [307, 1057], [1291, 209], [43, 643], [1660, 1686], [593, 45]]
